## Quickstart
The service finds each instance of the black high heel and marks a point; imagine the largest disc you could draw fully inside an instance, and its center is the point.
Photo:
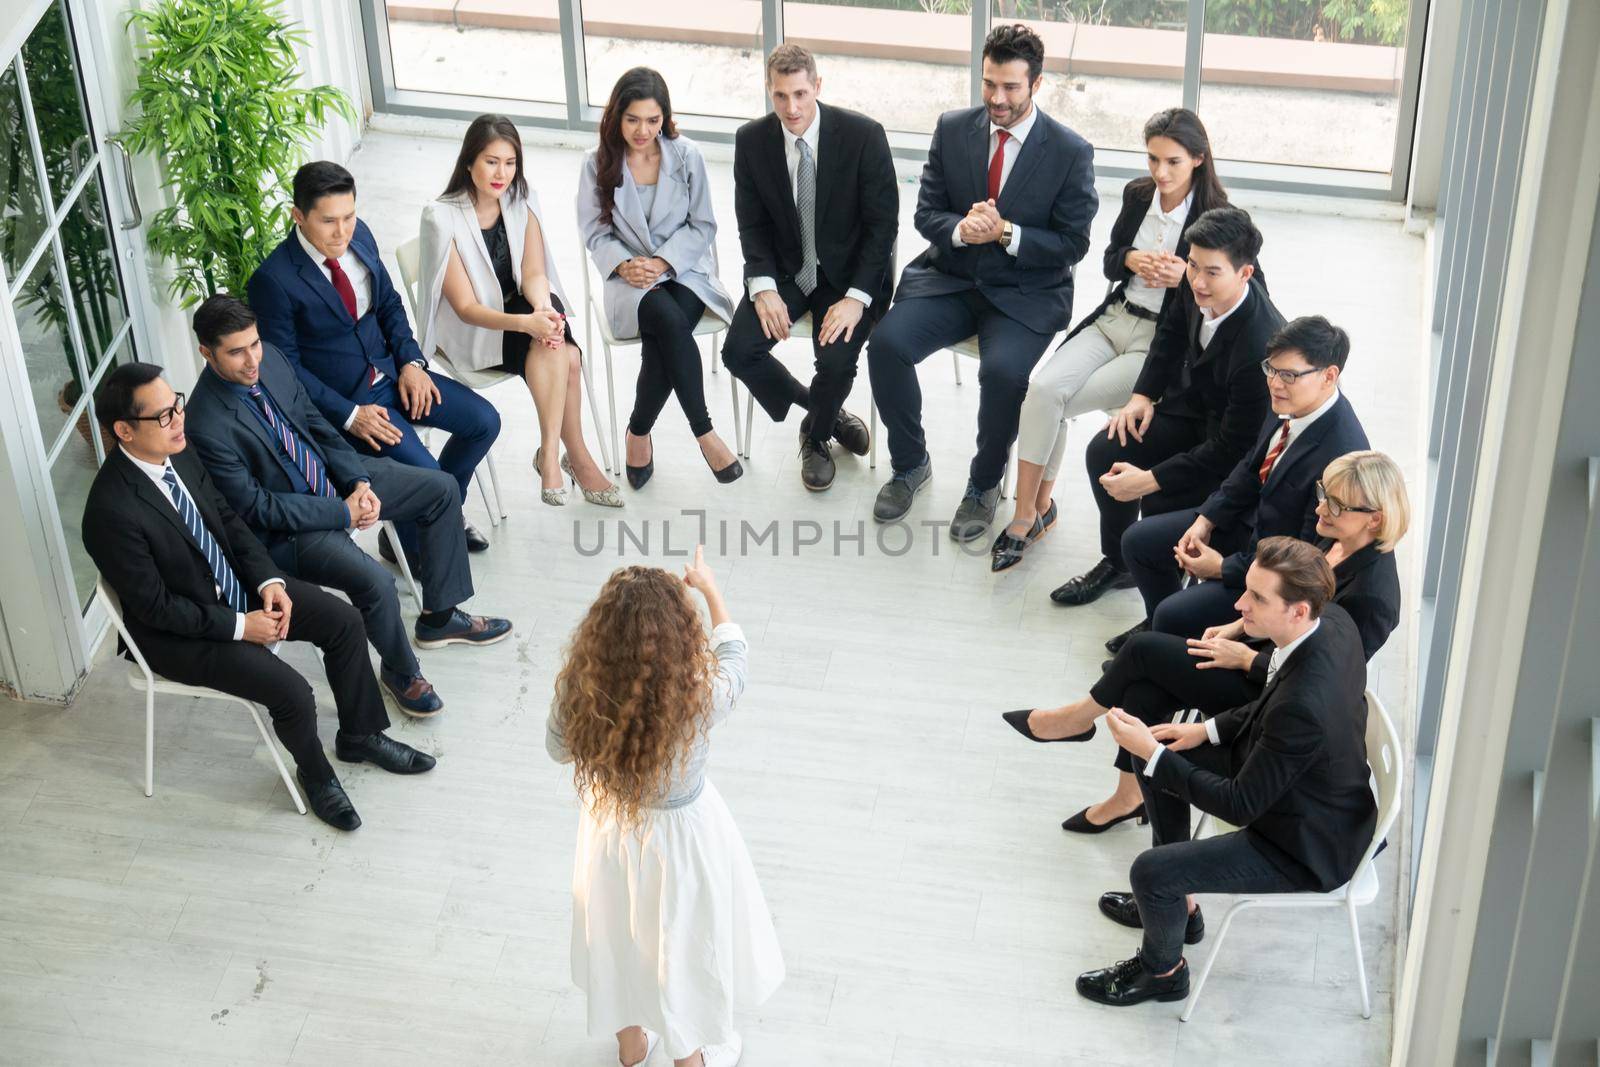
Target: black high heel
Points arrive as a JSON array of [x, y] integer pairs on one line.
[[637, 476], [731, 473], [1080, 824], [1019, 722]]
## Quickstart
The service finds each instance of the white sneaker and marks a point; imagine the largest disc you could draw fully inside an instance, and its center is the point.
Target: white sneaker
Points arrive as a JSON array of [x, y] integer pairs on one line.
[[651, 1040], [723, 1055]]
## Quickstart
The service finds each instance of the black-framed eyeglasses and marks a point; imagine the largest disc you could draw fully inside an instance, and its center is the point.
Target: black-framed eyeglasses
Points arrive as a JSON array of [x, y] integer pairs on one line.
[[1287, 377], [164, 417], [1337, 507]]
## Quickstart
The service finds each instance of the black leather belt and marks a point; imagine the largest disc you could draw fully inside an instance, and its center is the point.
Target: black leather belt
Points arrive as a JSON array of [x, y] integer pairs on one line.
[[1140, 312]]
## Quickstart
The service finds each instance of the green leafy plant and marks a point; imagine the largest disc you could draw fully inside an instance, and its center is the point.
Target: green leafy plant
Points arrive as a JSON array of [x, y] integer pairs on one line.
[[219, 104]]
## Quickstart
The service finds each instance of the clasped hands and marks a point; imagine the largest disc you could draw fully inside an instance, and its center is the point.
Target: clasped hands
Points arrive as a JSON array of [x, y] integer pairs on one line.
[[364, 506], [642, 272], [1141, 741], [547, 326], [1158, 269], [982, 224], [271, 622], [1194, 553]]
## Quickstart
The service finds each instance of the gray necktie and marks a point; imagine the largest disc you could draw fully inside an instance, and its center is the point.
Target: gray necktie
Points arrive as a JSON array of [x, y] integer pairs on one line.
[[805, 201]]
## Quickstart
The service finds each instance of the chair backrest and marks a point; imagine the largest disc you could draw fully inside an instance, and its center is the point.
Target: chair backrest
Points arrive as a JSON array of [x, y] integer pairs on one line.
[[1385, 758], [108, 597], [409, 259]]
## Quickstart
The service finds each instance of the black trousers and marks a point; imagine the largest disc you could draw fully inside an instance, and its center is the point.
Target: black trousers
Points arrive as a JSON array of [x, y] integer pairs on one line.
[[747, 353], [1166, 437], [1171, 607], [1153, 676], [253, 672], [915, 329], [669, 359]]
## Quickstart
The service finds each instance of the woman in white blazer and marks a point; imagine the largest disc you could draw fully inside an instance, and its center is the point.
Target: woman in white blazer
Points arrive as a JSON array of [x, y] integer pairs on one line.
[[644, 210], [491, 298]]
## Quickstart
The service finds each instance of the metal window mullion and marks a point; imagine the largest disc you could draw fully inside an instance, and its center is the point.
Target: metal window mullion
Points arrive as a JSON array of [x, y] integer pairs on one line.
[[380, 58], [1405, 132], [980, 34], [86, 401], [54, 224], [1194, 42], [574, 61]]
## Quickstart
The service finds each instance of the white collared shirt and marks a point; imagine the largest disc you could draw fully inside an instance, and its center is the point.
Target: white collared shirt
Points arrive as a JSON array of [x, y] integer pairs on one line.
[[1018, 134], [1159, 232], [791, 158], [157, 473], [1209, 324], [1277, 659], [1297, 426]]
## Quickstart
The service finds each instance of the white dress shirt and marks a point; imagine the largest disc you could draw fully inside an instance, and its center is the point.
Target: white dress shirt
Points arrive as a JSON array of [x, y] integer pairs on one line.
[[1297, 426], [1279, 655], [1019, 133], [1158, 232], [791, 158], [1209, 323], [157, 473]]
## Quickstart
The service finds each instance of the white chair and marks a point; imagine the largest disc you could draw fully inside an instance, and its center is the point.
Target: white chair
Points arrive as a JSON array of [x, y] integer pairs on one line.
[[709, 325], [402, 563], [146, 679], [1388, 773]]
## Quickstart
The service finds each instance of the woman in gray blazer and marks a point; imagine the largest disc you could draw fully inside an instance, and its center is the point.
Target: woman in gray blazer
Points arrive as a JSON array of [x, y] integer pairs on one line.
[[644, 210]]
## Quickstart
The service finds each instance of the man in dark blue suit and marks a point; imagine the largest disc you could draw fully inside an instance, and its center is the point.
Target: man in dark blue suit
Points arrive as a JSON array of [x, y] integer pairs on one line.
[[1271, 492], [302, 490], [326, 302], [1006, 201]]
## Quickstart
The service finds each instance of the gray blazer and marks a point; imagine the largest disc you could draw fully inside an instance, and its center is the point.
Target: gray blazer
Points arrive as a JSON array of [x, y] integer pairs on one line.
[[680, 229]]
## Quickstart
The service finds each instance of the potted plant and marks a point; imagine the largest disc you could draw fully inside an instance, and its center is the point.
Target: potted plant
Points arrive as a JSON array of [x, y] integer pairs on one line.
[[219, 104]]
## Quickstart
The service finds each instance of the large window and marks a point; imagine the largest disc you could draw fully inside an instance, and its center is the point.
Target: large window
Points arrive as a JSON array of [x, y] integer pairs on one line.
[[1311, 89]]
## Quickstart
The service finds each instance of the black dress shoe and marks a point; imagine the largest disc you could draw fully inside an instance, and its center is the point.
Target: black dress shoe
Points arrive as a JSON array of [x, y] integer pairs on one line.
[[1019, 722], [1131, 982], [1090, 586], [637, 476], [476, 542], [393, 756], [1008, 547], [975, 513], [816, 464], [731, 473], [895, 498], [1114, 645], [328, 802], [851, 433], [1080, 824], [1122, 908]]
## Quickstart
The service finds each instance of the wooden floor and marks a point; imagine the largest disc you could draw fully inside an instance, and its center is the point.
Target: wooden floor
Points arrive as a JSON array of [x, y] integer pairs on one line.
[[930, 908]]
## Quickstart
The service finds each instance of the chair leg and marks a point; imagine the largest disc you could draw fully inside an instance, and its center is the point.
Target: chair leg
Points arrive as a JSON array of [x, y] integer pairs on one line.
[[1361, 963], [594, 413], [483, 491], [405, 564], [149, 739], [1216, 950], [955, 361], [872, 435], [494, 482], [738, 432], [611, 396], [749, 419], [277, 760]]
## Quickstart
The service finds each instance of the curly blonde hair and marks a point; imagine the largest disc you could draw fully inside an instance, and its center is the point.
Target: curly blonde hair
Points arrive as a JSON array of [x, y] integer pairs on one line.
[[635, 690]]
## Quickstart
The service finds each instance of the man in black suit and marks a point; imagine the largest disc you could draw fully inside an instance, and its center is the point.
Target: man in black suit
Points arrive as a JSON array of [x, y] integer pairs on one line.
[[1289, 768], [302, 489], [1271, 491], [1006, 201], [204, 601], [1197, 406], [814, 190]]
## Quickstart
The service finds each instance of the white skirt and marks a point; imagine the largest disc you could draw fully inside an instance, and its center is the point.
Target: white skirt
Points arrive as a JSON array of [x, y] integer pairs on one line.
[[669, 927]]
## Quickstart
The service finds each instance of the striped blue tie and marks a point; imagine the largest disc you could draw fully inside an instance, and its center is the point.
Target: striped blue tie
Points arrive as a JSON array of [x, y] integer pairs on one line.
[[304, 459], [231, 591]]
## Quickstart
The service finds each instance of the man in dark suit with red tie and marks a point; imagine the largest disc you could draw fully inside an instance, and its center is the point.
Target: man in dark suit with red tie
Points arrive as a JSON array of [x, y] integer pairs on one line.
[[1006, 202]]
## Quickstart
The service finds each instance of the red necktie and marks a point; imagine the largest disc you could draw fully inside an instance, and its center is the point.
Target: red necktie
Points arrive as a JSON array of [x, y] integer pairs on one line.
[[1277, 450], [341, 285], [997, 164]]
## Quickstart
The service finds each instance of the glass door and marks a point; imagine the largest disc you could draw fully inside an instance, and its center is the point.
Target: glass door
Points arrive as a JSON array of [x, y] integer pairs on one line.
[[63, 278]]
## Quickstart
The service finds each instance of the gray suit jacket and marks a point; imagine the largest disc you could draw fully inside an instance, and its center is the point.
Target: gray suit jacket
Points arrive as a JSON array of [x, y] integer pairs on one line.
[[680, 228]]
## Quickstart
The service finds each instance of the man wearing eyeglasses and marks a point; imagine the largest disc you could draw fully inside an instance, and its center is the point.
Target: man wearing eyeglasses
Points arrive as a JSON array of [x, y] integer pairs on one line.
[[1271, 492], [204, 601]]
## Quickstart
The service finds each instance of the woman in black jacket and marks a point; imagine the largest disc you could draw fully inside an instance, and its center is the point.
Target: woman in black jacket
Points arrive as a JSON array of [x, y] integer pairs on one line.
[[1362, 513], [1095, 367]]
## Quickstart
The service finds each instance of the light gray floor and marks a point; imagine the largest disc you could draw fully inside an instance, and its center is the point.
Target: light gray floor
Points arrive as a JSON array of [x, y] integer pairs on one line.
[[931, 910]]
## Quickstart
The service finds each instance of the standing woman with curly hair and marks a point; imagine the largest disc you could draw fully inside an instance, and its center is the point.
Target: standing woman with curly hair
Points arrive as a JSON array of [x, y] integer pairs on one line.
[[670, 932]]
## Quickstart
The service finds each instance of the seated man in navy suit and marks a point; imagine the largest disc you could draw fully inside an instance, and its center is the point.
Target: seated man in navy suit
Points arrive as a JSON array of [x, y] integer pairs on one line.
[[302, 489], [326, 302], [1006, 200], [1270, 492]]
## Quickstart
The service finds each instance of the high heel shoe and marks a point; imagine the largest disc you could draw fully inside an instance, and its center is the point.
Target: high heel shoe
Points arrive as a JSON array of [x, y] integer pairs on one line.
[[731, 473], [609, 497], [1080, 824], [637, 476], [554, 497], [1019, 722]]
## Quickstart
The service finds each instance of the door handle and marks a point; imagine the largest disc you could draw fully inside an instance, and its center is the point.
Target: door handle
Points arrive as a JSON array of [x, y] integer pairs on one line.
[[135, 216]]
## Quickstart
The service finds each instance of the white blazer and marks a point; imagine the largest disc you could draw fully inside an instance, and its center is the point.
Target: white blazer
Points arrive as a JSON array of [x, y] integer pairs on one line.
[[453, 221], [680, 228]]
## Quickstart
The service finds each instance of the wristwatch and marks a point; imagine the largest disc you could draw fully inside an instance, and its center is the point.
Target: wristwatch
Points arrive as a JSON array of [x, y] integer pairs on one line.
[[1005, 235]]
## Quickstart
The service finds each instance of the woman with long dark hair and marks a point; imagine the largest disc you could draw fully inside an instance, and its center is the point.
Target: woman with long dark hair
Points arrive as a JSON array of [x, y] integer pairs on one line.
[[1097, 364], [644, 210], [490, 298]]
